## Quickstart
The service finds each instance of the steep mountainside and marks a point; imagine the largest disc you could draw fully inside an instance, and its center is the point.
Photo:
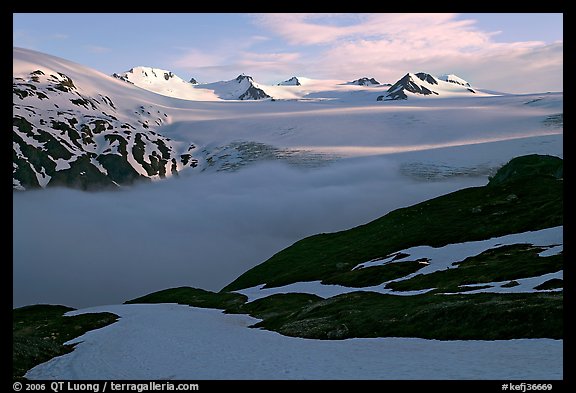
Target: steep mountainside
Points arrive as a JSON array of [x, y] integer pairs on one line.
[[65, 134]]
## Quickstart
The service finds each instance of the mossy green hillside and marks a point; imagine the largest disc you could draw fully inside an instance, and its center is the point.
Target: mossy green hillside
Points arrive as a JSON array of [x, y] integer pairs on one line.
[[194, 297]]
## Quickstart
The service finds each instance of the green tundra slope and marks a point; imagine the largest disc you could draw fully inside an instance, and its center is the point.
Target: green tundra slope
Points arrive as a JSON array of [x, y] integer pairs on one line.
[[524, 195]]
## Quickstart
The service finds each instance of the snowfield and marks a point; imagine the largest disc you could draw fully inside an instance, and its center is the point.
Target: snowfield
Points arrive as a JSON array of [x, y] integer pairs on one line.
[[168, 341]]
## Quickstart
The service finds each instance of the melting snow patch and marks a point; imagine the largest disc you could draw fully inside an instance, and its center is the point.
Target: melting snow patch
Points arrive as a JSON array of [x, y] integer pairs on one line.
[[443, 257]]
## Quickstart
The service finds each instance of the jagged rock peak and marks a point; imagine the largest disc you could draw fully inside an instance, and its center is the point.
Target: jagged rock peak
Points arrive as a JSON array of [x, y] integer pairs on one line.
[[290, 82], [241, 77], [365, 81], [427, 78]]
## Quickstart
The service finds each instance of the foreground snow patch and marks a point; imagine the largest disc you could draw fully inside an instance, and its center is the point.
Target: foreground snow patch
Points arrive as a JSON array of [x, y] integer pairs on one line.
[[169, 341]]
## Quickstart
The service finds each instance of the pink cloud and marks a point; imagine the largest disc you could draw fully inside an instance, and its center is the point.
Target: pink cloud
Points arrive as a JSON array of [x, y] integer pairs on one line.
[[386, 46]]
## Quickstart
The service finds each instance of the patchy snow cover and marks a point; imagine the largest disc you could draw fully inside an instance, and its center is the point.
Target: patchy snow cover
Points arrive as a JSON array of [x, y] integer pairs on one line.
[[63, 112], [442, 258], [169, 341], [319, 289], [438, 259]]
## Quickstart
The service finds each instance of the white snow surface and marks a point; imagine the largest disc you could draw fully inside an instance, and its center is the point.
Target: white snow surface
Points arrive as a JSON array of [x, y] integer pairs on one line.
[[153, 79], [169, 341]]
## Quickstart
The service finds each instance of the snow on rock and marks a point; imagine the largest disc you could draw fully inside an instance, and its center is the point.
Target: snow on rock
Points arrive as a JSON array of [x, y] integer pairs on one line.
[[422, 84], [365, 81], [169, 341], [242, 88], [290, 82], [76, 127], [454, 79]]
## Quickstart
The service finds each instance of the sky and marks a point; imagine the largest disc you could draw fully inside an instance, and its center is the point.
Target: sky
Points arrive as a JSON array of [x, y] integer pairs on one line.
[[515, 53]]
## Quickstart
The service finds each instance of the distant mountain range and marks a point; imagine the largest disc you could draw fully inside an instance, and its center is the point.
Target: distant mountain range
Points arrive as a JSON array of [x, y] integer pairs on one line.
[[365, 81], [76, 127], [166, 83], [244, 87]]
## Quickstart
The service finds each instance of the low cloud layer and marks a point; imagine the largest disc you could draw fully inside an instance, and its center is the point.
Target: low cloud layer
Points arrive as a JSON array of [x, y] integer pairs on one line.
[[203, 230]]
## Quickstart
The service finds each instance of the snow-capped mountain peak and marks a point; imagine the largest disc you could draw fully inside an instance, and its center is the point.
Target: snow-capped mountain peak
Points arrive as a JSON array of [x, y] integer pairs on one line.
[[166, 83], [365, 81], [161, 81], [242, 87], [290, 82], [423, 84], [243, 77], [141, 75]]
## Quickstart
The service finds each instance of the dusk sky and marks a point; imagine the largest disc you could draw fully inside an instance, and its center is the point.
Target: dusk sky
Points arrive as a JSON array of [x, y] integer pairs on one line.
[[515, 53]]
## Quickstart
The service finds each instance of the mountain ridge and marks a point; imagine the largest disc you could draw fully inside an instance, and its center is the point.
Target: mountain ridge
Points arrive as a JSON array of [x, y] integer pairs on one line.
[[423, 84]]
